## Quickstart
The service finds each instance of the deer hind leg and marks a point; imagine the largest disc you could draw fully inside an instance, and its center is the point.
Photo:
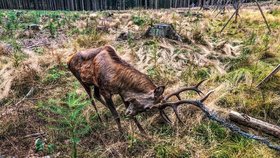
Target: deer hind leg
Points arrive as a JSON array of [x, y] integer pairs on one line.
[[114, 112], [88, 90], [141, 129]]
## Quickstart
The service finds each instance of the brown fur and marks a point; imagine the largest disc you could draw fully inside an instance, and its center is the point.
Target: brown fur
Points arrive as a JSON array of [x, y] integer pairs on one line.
[[103, 69]]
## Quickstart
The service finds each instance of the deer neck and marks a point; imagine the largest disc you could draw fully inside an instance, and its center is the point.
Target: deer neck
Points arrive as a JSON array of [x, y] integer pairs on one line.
[[132, 94]]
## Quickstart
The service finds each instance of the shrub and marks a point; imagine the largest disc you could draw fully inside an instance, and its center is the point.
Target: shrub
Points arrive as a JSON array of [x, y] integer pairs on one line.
[[66, 116], [137, 20]]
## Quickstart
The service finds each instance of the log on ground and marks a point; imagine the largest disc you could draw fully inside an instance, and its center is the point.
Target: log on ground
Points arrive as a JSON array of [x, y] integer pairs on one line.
[[254, 123]]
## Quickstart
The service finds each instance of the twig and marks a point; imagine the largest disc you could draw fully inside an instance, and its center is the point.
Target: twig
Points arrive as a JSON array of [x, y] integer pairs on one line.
[[263, 15], [39, 44], [239, 6], [13, 144], [237, 10], [27, 95], [34, 135], [269, 75]]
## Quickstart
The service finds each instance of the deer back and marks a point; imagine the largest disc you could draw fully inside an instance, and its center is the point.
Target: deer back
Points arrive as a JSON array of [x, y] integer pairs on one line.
[[103, 68]]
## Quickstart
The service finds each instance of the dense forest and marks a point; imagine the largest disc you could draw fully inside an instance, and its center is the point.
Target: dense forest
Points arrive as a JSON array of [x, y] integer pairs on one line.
[[109, 4]]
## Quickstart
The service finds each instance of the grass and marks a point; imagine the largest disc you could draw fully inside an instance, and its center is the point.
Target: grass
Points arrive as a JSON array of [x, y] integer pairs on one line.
[[67, 118], [60, 107], [89, 40], [55, 73]]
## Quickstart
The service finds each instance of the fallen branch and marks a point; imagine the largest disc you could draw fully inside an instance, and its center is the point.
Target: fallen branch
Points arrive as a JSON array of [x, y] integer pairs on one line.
[[263, 16], [26, 96], [239, 6], [213, 116], [34, 135], [254, 123], [270, 75]]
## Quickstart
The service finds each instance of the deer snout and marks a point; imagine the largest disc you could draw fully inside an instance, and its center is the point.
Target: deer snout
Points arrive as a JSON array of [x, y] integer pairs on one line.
[[129, 112]]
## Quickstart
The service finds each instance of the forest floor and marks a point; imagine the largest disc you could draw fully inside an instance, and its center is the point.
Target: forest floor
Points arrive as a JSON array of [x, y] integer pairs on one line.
[[45, 111]]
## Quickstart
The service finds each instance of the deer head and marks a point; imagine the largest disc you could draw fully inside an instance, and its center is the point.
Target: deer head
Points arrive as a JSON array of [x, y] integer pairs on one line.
[[139, 103], [155, 100]]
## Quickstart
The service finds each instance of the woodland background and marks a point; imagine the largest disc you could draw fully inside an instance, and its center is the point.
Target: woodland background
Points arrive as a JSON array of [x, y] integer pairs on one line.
[[110, 4]]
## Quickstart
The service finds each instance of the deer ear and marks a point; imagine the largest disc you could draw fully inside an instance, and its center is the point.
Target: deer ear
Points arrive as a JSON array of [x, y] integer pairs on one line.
[[159, 91]]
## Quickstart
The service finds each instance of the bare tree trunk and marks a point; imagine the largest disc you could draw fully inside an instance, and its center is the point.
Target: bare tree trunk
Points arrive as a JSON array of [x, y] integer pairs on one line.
[[146, 4], [255, 123], [156, 4], [123, 4]]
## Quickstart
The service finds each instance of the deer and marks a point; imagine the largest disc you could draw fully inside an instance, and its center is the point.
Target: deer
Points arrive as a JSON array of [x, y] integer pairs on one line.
[[102, 70]]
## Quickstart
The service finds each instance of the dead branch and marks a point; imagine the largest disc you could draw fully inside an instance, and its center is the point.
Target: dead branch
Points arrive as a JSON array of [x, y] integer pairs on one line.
[[239, 6], [213, 116], [34, 135], [270, 75], [263, 16], [254, 123], [26, 96]]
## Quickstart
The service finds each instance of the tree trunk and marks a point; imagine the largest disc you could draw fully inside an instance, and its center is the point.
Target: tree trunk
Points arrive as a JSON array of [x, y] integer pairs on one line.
[[156, 4], [254, 123]]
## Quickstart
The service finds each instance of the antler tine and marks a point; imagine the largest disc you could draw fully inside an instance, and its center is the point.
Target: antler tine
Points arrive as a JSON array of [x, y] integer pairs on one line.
[[206, 96], [174, 106], [165, 117], [199, 83], [175, 109], [192, 88]]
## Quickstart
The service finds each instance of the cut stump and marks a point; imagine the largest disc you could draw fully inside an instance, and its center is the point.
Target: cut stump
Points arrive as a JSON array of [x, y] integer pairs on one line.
[[163, 30]]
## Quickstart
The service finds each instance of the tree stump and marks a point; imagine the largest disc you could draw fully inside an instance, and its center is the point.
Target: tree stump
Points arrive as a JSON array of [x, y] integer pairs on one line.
[[34, 27], [163, 30]]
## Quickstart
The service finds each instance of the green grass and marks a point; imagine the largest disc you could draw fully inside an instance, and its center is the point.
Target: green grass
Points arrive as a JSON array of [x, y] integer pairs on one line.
[[166, 150], [54, 74], [65, 114], [67, 118]]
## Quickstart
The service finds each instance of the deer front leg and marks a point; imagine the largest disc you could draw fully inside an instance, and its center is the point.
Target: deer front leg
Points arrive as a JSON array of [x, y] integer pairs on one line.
[[114, 112], [141, 129]]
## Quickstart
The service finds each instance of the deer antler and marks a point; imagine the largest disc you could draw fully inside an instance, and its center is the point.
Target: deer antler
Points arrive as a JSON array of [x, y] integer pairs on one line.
[[175, 105], [187, 101], [177, 93], [210, 114]]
